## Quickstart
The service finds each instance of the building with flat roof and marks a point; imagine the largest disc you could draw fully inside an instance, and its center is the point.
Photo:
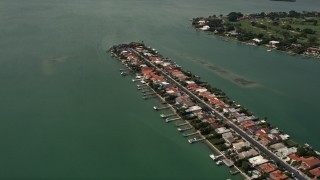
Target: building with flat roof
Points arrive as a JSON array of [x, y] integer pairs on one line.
[[255, 161]]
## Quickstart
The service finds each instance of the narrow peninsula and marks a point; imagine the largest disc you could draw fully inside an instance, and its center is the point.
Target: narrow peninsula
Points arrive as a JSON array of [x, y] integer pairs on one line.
[[203, 113], [293, 32]]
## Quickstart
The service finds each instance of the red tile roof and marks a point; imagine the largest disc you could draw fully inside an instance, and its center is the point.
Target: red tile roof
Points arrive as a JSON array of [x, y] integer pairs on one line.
[[294, 157], [247, 124], [278, 175], [315, 172], [266, 168], [310, 162]]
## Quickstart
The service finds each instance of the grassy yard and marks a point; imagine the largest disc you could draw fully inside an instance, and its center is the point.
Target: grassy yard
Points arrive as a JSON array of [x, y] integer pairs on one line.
[[279, 30]]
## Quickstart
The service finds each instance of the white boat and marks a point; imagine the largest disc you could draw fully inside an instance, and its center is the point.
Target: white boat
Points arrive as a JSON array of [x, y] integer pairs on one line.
[[212, 156], [219, 163], [269, 50]]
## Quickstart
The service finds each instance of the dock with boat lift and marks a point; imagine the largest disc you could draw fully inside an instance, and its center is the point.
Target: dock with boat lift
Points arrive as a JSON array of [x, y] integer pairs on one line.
[[182, 124], [215, 157], [228, 162], [193, 140], [160, 108], [190, 134], [148, 94], [184, 129], [172, 119], [149, 97], [167, 115]]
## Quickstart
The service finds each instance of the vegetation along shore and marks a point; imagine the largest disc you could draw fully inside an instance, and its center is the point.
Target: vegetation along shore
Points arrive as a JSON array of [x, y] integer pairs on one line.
[[293, 32], [205, 113]]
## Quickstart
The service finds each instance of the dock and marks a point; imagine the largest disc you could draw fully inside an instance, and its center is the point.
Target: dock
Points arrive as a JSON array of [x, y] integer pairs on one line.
[[160, 108], [213, 157], [182, 124], [195, 140], [147, 94], [184, 129], [167, 115], [190, 134], [234, 172], [172, 119], [149, 97], [228, 162]]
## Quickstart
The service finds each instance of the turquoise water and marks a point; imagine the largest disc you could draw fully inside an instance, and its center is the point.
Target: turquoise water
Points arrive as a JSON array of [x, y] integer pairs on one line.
[[66, 113]]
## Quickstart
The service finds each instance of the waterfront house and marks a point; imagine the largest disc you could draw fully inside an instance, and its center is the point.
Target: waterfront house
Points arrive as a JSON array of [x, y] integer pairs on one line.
[[276, 146], [205, 28], [202, 22], [258, 160], [266, 168], [309, 163], [173, 91], [248, 154], [244, 118], [260, 134], [265, 141], [284, 152], [257, 40], [315, 172], [273, 43], [194, 109], [277, 175], [222, 130], [239, 146], [253, 129], [313, 50]]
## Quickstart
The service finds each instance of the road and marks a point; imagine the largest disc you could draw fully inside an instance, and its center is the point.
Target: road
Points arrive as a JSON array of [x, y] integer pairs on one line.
[[242, 133]]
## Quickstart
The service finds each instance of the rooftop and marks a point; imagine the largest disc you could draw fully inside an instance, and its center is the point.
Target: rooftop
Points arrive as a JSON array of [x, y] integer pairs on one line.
[[255, 161]]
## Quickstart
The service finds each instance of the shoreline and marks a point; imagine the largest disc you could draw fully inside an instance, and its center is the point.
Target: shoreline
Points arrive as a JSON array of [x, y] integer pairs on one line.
[[212, 115], [207, 142]]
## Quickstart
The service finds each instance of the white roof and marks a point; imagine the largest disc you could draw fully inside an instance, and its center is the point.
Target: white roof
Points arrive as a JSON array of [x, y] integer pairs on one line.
[[222, 130], [255, 161], [193, 108], [257, 40], [274, 42], [205, 27], [190, 82], [202, 90]]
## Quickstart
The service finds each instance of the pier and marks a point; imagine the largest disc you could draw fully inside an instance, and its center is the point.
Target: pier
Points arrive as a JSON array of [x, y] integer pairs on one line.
[[172, 119], [149, 97], [167, 115], [184, 129], [228, 162], [182, 124], [213, 157], [234, 172], [160, 108], [142, 87], [148, 94], [195, 140], [190, 134]]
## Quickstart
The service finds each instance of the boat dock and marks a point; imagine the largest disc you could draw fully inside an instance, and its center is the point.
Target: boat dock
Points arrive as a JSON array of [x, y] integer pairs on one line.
[[195, 140], [182, 124], [184, 129], [167, 115], [190, 134], [213, 157], [172, 119], [160, 108], [228, 162], [234, 172], [149, 97], [147, 94]]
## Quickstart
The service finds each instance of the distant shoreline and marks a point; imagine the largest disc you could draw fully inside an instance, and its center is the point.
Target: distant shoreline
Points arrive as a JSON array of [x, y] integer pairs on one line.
[[294, 32]]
